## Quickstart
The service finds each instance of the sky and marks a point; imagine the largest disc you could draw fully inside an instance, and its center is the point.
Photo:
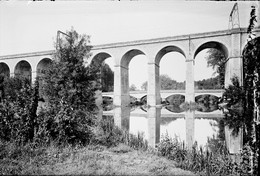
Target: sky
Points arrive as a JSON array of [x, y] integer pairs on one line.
[[32, 26]]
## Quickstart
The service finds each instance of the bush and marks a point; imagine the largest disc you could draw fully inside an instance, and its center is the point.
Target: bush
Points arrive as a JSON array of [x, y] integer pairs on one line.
[[106, 133], [200, 160], [18, 110]]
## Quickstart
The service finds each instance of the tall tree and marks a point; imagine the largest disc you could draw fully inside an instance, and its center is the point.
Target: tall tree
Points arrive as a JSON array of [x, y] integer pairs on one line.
[[69, 89], [243, 103], [251, 57]]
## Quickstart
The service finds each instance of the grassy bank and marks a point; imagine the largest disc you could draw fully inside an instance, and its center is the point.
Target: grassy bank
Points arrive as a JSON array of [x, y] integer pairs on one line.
[[113, 151], [92, 160]]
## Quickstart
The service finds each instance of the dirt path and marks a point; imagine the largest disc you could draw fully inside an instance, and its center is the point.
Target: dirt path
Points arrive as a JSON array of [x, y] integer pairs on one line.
[[121, 160]]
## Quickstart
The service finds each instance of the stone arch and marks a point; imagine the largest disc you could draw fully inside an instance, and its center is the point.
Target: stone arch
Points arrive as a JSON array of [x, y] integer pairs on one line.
[[100, 57], [43, 65], [212, 44], [166, 50], [23, 69], [4, 69], [127, 57], [220, 47], [106, 78]]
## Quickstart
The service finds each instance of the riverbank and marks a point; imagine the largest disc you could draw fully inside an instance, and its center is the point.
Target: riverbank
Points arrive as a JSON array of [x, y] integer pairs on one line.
[[90, 160]]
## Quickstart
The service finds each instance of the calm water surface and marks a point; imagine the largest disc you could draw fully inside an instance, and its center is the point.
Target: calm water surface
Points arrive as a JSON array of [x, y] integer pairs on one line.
[[172, 124]]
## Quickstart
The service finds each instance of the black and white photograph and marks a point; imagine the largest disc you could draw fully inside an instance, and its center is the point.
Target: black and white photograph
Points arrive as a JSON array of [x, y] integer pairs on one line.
[[129, 87]]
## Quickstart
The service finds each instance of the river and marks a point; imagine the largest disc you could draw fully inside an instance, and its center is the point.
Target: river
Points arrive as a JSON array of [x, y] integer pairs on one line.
[[138, 119]]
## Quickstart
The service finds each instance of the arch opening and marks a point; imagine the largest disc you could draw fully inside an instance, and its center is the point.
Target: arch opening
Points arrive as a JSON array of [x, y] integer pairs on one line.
[[42, 66], [23, 69], [4, 70], [172, 68], [210, 62], [134, 70], [106, 64], [166, 50], [212, 44], [99, 58], [128, 56]]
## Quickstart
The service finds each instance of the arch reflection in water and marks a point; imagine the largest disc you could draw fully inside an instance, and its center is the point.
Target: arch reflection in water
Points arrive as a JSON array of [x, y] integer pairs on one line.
[[154, 124], [207, 103]]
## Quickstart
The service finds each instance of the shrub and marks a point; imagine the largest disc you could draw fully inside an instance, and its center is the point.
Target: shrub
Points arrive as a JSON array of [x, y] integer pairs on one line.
[[200, 160], [18, 110], [108, 134]]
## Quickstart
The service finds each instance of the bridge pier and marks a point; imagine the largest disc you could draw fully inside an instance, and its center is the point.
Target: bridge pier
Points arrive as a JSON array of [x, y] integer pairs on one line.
[[234, 67], [121, 86], [153, 121], [153, 91], [122, 117], [190, 98], [34, 75]]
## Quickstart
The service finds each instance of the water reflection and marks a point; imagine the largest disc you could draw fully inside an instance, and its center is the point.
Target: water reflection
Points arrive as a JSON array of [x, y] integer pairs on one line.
[[174, 103], [207, 103], [156, 122]]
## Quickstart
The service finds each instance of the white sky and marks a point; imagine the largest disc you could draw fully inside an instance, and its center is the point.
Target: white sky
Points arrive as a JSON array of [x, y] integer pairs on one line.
[[32, 26]]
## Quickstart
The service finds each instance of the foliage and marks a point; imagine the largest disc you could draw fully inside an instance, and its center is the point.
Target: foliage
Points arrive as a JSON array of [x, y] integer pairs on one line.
[[11, 86], [18, 110], [243, 103], [215, 161], [132, 88], [173, 103], [171, 148], [69, 91], [210, 83], [108, 134], [144, 86], [207, 103], [167, 83], [217, 60], [233, 98], [107, 78], [251, 66]]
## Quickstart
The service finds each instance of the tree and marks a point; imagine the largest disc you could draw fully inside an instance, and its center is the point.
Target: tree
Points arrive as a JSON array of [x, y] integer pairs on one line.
[[144, 86], [251, 59], [243, 102], [167, 84], [107, 78], [69, 91], [217, 60], [210, 83], [132, 88]]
